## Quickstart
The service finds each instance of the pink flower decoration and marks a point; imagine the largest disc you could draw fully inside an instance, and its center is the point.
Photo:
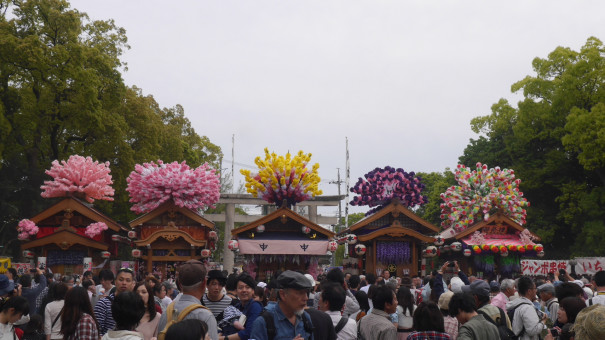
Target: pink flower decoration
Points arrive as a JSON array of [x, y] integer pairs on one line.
[[26, 228], [95, 229], [150, 185], [79, 175]]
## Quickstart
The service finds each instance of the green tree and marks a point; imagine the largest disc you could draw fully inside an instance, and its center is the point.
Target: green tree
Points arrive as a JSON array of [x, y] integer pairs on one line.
[[435, 183]]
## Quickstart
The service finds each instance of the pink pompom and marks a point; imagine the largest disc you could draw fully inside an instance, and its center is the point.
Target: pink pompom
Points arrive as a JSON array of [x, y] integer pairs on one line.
[[95, 229]]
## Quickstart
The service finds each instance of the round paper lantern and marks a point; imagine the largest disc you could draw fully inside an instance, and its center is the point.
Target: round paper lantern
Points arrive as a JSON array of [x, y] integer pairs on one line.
[[233, 245], [424, 253], [105, 254], [477, 249], [136, 253], [467, 252], [260, 228], [541, 253], [538, 248], [504, 253], [28, 254], [351, 239], [132, 234], [529, 247], [494, 249], [213, 235], [306, 229], [439, 241], [431, 251], [456, 246], [521, 249], [446, 247], [360, 249], [332, 246], [206, 253], [116, 237], [485, 247]]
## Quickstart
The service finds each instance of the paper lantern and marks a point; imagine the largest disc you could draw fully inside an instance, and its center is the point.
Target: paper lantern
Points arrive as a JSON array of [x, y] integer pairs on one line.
[[431, 251], [467, 252], [233, 245], [116, 237], [529, 247], [439, 241], [351, 239], [105, 254], [521, 249], [360, 249], [456, 246], [28, 254], [206, 252], [424, 253], [504, 253], [136, 253], [446, 247], [332, 246], [538, 248], [541, 253], [260, 228], [494, 249], [306, 229], [132, 234]]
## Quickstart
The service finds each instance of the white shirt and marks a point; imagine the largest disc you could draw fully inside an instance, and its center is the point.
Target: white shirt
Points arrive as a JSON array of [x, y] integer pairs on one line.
[[51, 311], [349, 331], [6, 331], [597, 299]]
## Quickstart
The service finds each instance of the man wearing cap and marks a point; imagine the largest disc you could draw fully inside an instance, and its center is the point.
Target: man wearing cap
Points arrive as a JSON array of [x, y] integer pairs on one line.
[[125, 282], [289, 318], [480, 290], [215, 300], [192, 278], [6, 286], [546, 292]]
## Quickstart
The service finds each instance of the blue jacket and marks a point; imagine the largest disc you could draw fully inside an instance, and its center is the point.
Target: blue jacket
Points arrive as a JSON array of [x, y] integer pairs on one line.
[[283, 327]]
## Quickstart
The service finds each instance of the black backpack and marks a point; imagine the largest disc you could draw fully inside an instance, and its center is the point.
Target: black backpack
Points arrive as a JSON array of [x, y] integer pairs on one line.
[[270, 323], [511, 316], [505, 332], [341, 324]]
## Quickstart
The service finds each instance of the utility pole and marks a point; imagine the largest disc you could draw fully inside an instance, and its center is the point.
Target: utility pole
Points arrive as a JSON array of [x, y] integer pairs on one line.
[[338, 182], [233, 162]]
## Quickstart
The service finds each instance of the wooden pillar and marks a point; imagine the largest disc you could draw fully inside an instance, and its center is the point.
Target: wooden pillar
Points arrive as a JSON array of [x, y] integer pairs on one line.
[[228, 256], [150, 259]]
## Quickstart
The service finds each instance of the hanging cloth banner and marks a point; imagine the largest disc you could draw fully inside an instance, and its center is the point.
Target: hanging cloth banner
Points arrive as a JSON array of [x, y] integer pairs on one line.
[[277, 247]]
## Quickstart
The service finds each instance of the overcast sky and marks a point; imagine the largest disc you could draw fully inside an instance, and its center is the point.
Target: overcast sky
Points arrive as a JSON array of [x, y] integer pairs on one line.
[[400, 79]]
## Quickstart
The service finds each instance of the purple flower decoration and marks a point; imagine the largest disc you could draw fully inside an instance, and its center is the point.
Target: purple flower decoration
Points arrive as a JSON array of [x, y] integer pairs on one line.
[[393, 252]]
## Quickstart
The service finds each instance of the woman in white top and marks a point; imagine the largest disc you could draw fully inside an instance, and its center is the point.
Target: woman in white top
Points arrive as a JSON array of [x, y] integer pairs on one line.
[[148, 326], [405, 312], [11, 311], [52, 311]]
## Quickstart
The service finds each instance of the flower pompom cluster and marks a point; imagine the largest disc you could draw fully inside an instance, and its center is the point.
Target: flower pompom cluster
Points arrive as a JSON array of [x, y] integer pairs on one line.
[[79, 175], [283, 178], [482, 192], [95, 229], [381, 186], [26, 228], [150, 185]]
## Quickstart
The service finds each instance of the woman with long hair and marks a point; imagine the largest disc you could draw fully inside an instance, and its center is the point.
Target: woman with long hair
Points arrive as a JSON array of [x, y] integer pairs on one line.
[[52, 311], [148, 326], [428, 323], [405, 312], [77, 319], [11, 311]]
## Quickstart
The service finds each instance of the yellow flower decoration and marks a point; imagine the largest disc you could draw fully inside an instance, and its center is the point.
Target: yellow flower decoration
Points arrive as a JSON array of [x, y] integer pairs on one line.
[[283, 178]]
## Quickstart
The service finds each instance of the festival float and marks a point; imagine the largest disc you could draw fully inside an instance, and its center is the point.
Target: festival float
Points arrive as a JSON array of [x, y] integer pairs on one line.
[[483, 218], [282, 239], [71, 234], [391, 236], [171, 229]]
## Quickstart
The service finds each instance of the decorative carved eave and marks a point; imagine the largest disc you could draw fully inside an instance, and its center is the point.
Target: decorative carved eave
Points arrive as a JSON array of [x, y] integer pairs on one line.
[[169, 207], [170, 234], [498, 218], [396, 231], [283, 214], [71, 204], [64, 239]]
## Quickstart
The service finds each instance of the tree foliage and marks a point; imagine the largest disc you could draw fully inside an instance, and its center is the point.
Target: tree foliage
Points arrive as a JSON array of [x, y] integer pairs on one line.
[[554, 139], [62, 93]]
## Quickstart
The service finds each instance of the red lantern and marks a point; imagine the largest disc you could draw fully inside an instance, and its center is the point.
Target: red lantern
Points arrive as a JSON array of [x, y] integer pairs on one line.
[[351, 239], [105, 254], [213, 235], [116, 237], [136, 253], [132, 234], [332, 246], [28, 254], [541, 253], [260, 228], [431, 251], [439, 241], [233, 245], [360, 249], [306, 229], [467, 252], [206, 253]]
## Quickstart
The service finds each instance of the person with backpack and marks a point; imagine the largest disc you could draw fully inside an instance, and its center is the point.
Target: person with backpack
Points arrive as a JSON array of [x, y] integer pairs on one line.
[[331, 301], [288, 320], [527, 323], [480, 291], [546, 292], [192, 279], [474, 325], [249, 308]]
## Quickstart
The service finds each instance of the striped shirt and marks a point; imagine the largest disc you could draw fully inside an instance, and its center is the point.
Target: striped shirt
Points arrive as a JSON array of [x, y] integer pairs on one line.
[[103, 314], [217, 307]]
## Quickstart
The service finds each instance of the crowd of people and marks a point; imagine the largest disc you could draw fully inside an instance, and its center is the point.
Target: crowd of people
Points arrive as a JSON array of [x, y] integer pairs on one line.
[[213, 305]]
